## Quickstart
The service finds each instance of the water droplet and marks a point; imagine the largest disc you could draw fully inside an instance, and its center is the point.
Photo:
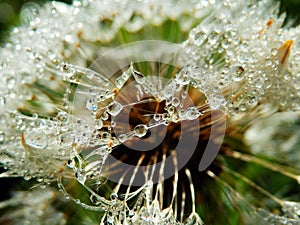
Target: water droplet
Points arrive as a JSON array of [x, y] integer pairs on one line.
[[156, 117], [2, 137], [114, 108], [268, 84], [274, 52], [2, 100], [169, 90], [113, 123], [66, 139], [139, 77], [212, 38], [198, 37], [123, 137], [113, 196], [140, 130], [62, 117], [192, 113], [10, 83], [105, 136], [91, 104], [51, 55], [71, 163], [94, 199], [89, 74], [98, 123], [215, 101], [27, 177], [175, 101], [182, 77], [104, 116], [243, 107], [80, 176], [165, 116], [121, 80], [36, 139], [238, 74]]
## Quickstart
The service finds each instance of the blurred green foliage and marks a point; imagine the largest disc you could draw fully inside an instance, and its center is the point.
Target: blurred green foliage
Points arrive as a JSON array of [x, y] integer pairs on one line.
[[10, 10]]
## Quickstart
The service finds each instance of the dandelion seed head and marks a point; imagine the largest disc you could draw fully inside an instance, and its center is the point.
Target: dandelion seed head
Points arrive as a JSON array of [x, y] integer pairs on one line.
[[63, 116]]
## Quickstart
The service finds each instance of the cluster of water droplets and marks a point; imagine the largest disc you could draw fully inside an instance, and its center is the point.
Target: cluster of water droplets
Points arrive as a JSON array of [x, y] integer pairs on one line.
[[34, 147], [250, 65], [291, 214], [96, 110]]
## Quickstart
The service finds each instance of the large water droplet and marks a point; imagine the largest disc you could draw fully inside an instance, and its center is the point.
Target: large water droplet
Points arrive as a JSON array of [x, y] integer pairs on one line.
[[114, 108], [140, 130], [192, 113], [36, 139], [198, 36]]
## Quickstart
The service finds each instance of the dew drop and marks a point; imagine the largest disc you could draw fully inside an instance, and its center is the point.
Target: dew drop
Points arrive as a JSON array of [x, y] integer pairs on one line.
[[91, 104], [66, 139], [198, 37], [51, 55], [70, 71], [2, 101], [10, 83], [62, 117], [215, 101], [2, 137], [105, 136], [182, 77], [104, 116], [169, 90], [212, 38], [71, 163], [139, 77], [36, 139], [113, 196], [175, 101], [94, 199], [156, 117], [114, 108], [123, 137], [98, 123], [89, 74], [184, 94], [192, 113], [80, 176], [27, 177], [243, 107], [140, 130], [238, 74]]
